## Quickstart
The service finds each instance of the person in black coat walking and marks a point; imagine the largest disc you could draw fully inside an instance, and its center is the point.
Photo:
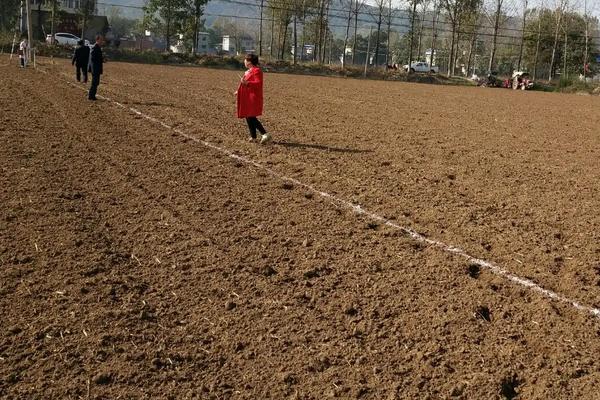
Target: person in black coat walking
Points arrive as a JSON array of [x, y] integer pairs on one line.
[[81, 59], [96, 61]]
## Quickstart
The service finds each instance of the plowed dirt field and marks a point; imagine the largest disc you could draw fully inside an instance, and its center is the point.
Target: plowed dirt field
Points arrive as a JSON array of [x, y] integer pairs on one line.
[[395, 241]]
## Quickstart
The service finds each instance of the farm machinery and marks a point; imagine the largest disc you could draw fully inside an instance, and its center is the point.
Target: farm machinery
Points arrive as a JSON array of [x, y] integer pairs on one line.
[[520, 80]]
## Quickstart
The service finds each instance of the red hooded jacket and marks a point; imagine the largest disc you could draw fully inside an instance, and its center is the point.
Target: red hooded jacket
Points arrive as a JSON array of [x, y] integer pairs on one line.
[[250, 97]]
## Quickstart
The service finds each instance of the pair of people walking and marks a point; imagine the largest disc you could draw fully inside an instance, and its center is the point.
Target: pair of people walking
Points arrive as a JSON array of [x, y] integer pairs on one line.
[[89, 60]]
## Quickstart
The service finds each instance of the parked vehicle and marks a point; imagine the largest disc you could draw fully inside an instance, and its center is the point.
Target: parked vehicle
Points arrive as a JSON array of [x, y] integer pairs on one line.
[[67, 39], [422, 67], [521, 80]]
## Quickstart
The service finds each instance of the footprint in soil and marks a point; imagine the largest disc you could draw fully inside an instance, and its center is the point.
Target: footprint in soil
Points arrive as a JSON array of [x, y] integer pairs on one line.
[[483, 312], [508, 387], [474, 270]]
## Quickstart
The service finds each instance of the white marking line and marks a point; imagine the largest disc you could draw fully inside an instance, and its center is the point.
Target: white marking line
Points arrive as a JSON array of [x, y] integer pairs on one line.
[[497, 270]]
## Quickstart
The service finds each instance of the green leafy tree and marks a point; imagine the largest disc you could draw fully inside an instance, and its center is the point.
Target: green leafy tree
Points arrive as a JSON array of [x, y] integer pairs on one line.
[[165, 18], [194, 10], [9, 12], [120, 25], [85, 10]]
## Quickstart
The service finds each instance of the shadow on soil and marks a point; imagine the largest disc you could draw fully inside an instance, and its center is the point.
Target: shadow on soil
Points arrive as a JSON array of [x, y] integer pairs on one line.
[[319, 147]]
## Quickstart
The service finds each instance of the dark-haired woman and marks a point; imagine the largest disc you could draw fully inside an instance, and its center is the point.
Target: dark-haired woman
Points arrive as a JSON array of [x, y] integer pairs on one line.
[[250, 98]]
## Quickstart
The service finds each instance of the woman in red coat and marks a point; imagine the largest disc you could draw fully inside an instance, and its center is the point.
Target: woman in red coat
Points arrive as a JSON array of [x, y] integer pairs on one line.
[[250, 98]]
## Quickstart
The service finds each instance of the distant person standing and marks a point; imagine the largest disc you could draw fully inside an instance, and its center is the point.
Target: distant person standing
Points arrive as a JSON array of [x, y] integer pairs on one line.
[[81, 59], [96, 61], [23, 48], [250, 98]]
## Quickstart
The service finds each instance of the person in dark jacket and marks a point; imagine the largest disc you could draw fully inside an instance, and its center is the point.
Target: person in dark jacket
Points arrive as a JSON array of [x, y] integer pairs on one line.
[[96, 61], [81, 59]]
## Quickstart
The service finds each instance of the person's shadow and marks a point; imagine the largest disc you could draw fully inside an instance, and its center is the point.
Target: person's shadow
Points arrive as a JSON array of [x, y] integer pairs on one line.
[[318, 147]]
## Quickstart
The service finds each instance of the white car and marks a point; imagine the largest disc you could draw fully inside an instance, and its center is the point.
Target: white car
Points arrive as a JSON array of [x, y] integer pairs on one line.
[[66, 38], [422, 67]]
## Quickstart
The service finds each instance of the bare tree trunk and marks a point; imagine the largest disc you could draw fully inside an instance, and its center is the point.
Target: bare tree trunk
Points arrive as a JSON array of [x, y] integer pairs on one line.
[[456, 50], [169, 21], [320, 35], [587, 43], [555, 45], [284, 40], [434, 33], [368, 50], [347, 33], [389, 29], [495, 37], [53, 23], [379, 21], [522, 34], [537, 46], [565, 72], [421, 25], [295, 38], [412, 34], [303, 33], [355, 31], [272, 33], [279, 40], [325, 31], [451, 54], [330, 47], [472, 43]]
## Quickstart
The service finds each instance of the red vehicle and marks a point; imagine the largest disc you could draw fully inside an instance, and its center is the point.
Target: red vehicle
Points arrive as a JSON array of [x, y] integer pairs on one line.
[[521, 80]]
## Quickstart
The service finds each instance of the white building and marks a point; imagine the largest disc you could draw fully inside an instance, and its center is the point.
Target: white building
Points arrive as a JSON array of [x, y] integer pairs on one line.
[[69, 6], [237, 45], [202, 43], [428, 59]]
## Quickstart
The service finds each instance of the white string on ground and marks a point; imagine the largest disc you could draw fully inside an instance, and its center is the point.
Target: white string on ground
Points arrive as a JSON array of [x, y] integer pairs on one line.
[[356, 208]]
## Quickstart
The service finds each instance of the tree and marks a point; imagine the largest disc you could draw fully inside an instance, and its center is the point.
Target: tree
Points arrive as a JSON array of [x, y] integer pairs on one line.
[[380, 5], [165, 17], [358, 5], [424, 10], [525, 12], [85, 11], [561, 7], [9, 12], [498, 19], [119, 25], [413, 15], [453, 10], [349, 21], [543, 47], [53, 19], [194, 9]]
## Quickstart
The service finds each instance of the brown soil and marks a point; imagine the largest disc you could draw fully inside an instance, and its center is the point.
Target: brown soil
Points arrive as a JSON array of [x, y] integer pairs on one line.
[[137, 263]]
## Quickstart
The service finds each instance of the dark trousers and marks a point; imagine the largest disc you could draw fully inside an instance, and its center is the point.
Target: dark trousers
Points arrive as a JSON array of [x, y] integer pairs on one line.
[[94, 86], [81, 70], [253, 125]]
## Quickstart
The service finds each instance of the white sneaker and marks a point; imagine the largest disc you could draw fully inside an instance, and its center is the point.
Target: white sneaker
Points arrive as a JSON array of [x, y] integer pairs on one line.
[[252, 139], [266, 138]]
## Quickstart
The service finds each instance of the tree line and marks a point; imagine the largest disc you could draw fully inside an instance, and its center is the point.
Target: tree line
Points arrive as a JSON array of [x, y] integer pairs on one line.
[[547, 38]]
